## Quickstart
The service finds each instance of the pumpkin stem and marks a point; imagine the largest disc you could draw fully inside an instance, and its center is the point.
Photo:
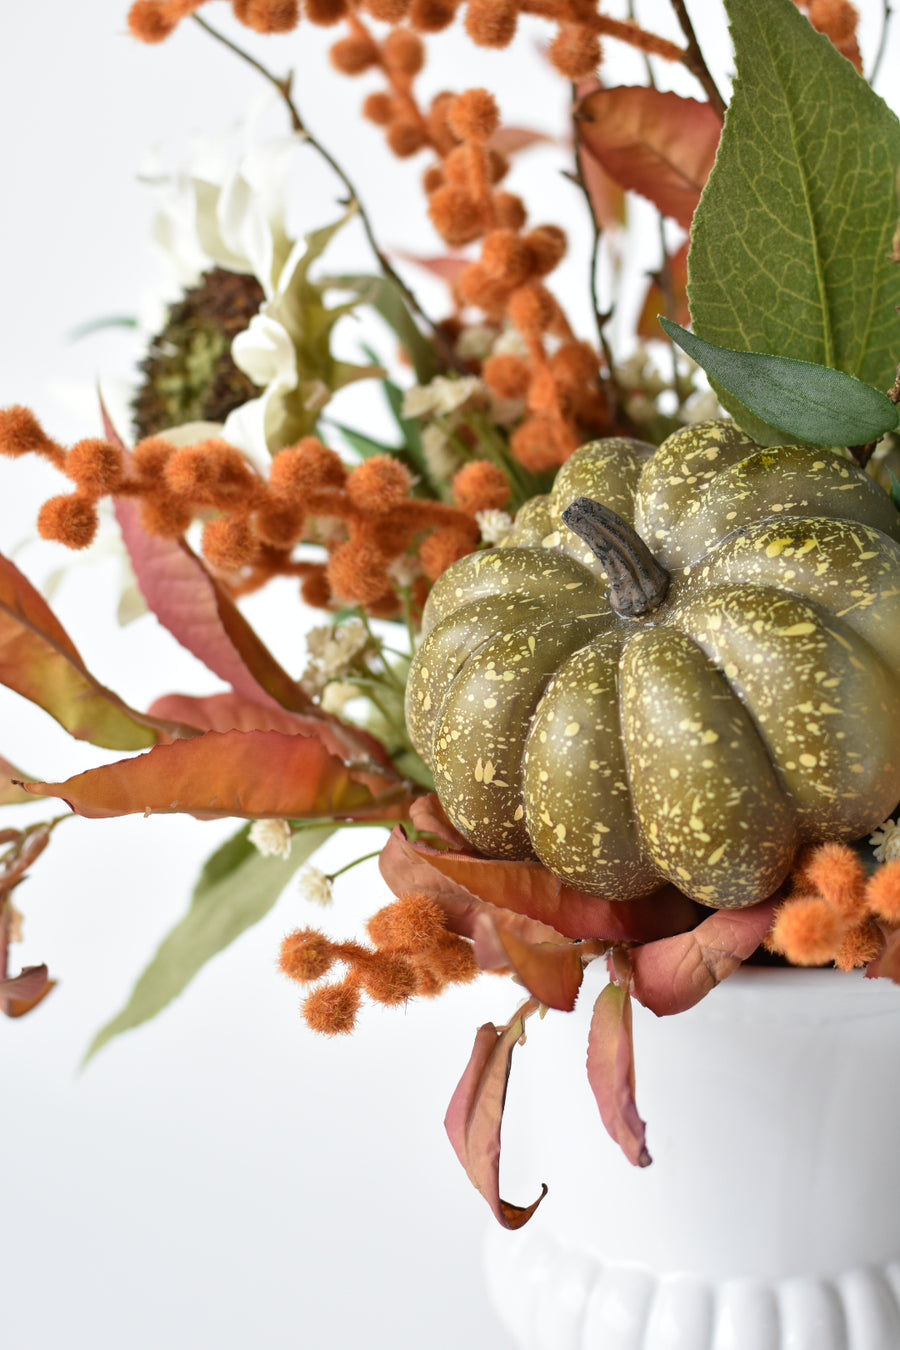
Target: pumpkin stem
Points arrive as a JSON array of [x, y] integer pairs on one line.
[[637, 582]]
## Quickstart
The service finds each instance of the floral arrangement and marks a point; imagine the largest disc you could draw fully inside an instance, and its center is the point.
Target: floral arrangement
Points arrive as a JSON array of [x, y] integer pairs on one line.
[[780, 248]]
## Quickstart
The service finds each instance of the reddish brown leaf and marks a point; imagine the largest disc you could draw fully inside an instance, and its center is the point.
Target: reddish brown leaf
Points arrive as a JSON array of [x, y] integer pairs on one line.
[[610, 1067], [251, 774], [40, 661], [475, 1115], [196, 610], [887, 965], [674, 305], [20, 993], [657, 144], [528, 888], [672, 975], [18, 860], [551, 971], [429, 817], [607, 199]]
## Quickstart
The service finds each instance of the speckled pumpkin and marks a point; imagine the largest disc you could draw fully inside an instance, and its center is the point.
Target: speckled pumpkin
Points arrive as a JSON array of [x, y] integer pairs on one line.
[[691, 708]]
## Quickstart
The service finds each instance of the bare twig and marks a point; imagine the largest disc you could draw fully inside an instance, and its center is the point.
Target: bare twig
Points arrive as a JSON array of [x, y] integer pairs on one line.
[[694, 61], [882, 44], [283, 86]]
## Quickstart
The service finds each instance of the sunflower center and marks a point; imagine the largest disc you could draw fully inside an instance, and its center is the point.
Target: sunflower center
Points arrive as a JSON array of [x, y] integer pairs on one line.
[[188, 373]]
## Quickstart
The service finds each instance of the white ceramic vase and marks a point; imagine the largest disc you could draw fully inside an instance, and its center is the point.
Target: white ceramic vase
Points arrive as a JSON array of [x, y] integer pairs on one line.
[[770, 1217]]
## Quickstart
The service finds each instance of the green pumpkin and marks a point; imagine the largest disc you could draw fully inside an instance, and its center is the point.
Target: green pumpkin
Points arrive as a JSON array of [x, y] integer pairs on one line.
[[688, 700]]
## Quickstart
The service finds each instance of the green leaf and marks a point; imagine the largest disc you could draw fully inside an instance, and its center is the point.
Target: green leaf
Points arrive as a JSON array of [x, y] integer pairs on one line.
[[385, 297], [790, 241], [895, 489], [810, 402], [236, 888]]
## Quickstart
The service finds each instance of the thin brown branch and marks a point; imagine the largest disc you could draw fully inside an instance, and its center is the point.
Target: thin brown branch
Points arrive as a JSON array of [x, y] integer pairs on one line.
[[694, 61], [283, 86]]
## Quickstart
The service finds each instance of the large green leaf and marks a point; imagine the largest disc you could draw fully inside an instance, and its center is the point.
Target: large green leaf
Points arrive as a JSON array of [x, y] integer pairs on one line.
[[790, 245], [236, 888], [809, 402]]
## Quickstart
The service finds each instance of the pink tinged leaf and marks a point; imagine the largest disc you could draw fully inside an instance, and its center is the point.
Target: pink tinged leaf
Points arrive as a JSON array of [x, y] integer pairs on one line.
[[196, 610], [887, 965], [673, 974], [20, 993], [39, 660], [657, 144], [251, 774], [429, 817], [446, 267], [551, 971], [510, 140], [475, 1115], [610, 1067]]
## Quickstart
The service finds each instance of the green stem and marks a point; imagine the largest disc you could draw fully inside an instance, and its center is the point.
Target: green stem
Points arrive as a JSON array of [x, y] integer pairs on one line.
[[333, 876]]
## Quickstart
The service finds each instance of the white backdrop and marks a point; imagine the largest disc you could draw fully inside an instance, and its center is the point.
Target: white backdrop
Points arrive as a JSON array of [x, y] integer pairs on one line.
[[220, 1176]]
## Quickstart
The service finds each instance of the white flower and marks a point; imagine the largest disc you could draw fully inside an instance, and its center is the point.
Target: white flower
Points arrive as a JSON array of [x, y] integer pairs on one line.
[[230, 210], [494, 525], [271, 837], [886, 841], [336, 695], [441, 459], [404, 570], [315, 886], [333, 650], [442, 396]]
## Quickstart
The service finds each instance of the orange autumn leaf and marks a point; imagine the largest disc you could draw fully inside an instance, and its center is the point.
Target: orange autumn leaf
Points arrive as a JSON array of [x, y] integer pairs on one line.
[[656, 302], [551, 971], [657, 144], [20, 993], [253, 774]]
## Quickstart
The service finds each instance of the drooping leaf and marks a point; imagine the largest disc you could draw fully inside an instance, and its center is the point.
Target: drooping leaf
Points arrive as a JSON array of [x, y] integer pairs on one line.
[[191, 604], [475, 1115], [790, 242], [551, 971], [809, 402], [236, 888], [656, 300], [529, 889], [255, 774], [610, 1068], [673, 974], [40, 661], [20, 993], [657, 144]]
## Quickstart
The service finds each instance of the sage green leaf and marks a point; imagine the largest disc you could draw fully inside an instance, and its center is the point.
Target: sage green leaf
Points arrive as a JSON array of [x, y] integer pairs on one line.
[[810, 402], [895, 489], [385, 296], [790, 241], [236, 888]]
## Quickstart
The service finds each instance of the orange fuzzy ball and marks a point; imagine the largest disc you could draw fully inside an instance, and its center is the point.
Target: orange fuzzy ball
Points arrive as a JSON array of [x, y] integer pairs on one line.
[[441, 549], [403, 53], [306, 467], [575, 365], [324, 12], [352, 55], [883, 892], [388, 978], [357, 572], [474, 115], [509, 210], [574, 52], [505, 254], [548, 247], [314, 588], [480, 486], [411, 923], [432, 16], [864, 943], [808, 931], [457, 216], [406, 136], [378, 108], [228, 544], [507, 376], [68, 520], [271, 16], [165, 516], [492, 23], [150, 457], [149, 21], [454, 960], [837, 873], [542, 443], [531, 309], [388, 11], [475, 287], [212, 471], [278, 525], [379, 485], [306, 955], [95, 465], [332, 1010]]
